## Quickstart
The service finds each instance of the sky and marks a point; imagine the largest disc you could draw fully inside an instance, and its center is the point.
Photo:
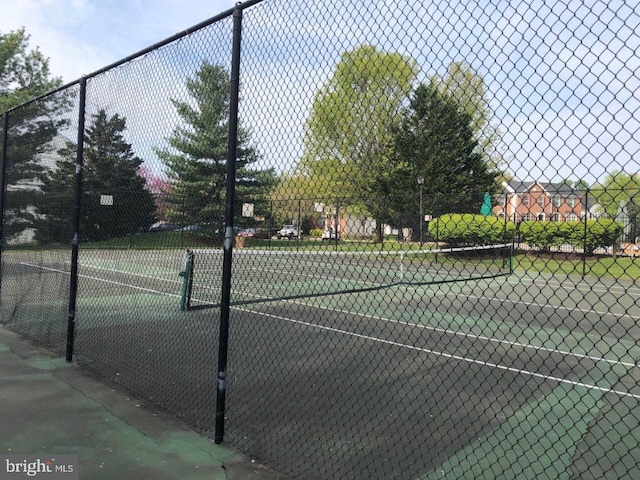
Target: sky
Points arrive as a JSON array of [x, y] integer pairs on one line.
[[82, 36], [562, 78]]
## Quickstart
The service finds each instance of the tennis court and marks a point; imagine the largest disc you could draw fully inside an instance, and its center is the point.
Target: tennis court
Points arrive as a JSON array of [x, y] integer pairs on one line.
[[495, 376]]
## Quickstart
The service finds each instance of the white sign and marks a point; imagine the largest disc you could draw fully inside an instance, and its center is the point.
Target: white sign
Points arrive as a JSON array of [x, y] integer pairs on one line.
[[247, 209], [319, 207], [106, 199], [428, 218]]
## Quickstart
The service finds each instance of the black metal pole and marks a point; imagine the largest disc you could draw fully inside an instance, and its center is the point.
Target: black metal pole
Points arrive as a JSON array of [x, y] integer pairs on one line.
[[75, 243], [336, 223], [225, 303], [584, 248], [3, 181]]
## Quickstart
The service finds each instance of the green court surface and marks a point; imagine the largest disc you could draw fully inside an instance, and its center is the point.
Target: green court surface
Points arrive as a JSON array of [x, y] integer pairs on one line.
[[556, 369]]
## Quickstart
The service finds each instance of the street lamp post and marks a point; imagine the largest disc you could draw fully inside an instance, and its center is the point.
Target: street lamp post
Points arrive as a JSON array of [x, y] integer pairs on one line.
[[420, 181]]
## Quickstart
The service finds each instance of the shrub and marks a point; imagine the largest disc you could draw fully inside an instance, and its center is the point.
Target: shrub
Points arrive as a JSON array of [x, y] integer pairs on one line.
[[315, 232], [599, 233], [542, 235], [468, 229], [602, 232]]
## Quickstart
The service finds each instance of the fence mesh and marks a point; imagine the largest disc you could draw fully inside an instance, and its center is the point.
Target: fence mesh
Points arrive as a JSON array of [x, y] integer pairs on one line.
[[382, 148]]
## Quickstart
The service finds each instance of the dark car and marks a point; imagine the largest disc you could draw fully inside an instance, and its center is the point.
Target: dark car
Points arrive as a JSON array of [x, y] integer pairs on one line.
[[164, 227]]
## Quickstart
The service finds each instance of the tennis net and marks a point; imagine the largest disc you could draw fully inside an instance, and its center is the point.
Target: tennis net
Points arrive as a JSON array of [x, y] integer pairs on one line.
[[262, 275]]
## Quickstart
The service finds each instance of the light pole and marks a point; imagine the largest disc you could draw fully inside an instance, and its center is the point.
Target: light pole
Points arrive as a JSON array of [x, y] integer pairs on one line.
[[420, 181]]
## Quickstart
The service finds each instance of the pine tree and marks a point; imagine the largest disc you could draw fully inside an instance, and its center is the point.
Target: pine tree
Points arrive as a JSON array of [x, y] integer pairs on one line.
[[197, 158], [436, 141], [110, 169]]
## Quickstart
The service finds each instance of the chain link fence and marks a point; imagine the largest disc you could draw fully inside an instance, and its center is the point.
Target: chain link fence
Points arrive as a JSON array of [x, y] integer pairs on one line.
[[351, 239]]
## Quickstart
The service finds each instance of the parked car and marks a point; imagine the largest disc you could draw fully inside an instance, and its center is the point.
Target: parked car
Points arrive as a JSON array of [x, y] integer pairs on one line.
[[164, 227], [288, 231], [247, 232]]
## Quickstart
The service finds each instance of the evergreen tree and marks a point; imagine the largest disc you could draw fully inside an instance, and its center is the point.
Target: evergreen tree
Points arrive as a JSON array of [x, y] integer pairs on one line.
[[436, 141], [349, 133], [110, 169], [24, 74], [196, 159]]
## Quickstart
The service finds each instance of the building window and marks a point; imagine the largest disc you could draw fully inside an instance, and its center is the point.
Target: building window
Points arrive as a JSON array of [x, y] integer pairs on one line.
[[557, 200], [571, 201], [572, 217], [526, 217], [541, 201], [541, 216], [525, 200], [555, 217]]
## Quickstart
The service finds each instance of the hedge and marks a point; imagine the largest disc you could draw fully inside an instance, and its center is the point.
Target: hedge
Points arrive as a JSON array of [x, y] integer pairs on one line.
[[461, 229], [599, 233]]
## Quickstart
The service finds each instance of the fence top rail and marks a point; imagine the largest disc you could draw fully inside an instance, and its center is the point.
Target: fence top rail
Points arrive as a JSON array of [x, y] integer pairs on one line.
[[145, 51]]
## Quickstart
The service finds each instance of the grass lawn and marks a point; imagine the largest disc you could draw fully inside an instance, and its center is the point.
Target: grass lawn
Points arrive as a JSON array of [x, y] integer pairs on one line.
[[595, 265]]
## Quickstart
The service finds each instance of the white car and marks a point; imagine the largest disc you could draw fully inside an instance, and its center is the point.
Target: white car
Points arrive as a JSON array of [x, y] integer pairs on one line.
[[288, 231]]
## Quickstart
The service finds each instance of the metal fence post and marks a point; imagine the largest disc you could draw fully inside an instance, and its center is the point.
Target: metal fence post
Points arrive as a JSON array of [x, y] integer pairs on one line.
[[225, 303], [584, 248], [75, 243], [3, 181]]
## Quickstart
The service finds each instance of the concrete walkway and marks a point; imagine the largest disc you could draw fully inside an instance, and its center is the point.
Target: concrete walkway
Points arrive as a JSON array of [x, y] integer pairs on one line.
[[49, 407]]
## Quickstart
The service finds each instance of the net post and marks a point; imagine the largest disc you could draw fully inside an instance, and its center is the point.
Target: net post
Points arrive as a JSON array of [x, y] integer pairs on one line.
[[3, 181], [225, 303], [75, 243], [187, 282]]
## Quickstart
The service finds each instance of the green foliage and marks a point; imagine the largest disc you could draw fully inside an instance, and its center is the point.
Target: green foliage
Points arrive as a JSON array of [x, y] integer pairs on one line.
[[594, 234], [543, 235], [315, 232], [599, 233], [618, 189], [196, 159], [435, 140], [110, 168], [468, 90], [348, 137], [24, 73], [471, 229]]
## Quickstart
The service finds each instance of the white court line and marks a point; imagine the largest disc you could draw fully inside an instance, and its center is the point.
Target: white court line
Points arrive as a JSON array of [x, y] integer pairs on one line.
[[446, 355], [470, 335], [411, 347], [535, 304], [104, 280], [130, 273], [425, 327], [631, 291]]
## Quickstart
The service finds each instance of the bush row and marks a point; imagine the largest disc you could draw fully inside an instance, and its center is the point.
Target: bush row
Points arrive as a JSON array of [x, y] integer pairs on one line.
[[593, 234], [468, 229]]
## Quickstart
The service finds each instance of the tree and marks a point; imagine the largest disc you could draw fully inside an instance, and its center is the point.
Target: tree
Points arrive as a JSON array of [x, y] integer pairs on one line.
[[579, 185], [24, 74], [467, 88], [619, 198], [435, 140], [618, 188], [196, 158], [348, 137], [111, 169]]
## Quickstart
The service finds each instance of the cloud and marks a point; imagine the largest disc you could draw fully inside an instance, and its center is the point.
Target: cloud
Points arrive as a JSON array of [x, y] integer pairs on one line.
[[82, 36]]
